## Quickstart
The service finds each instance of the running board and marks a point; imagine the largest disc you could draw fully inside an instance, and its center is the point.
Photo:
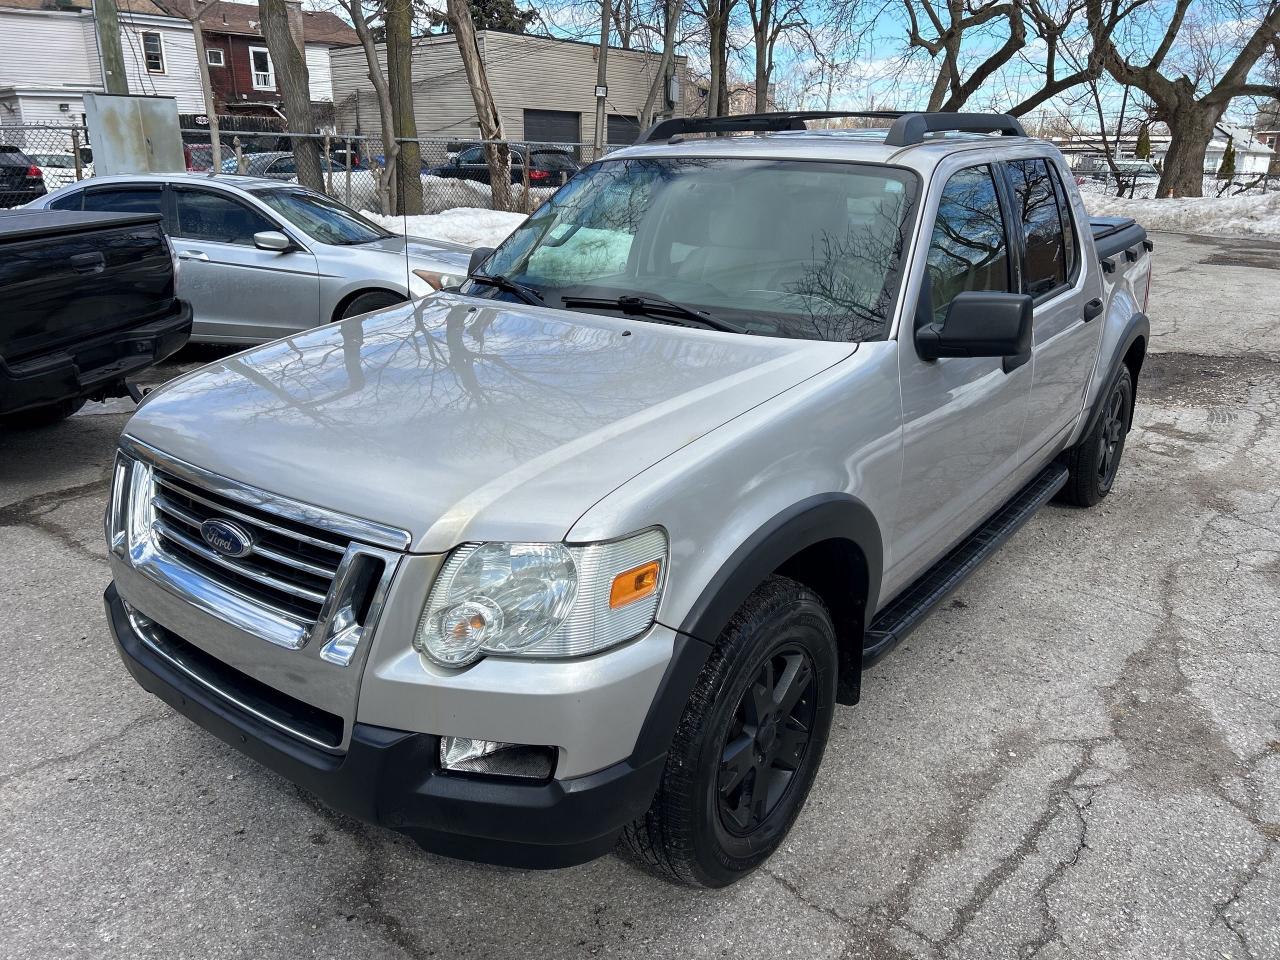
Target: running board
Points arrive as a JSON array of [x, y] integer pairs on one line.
[[909, 608]]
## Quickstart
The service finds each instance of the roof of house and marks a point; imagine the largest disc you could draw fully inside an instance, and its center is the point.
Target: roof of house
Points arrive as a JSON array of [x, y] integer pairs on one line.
[[219, 16]]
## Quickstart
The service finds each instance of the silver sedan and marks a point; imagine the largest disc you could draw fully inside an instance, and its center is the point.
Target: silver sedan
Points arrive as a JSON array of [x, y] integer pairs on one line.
[[260, 259]]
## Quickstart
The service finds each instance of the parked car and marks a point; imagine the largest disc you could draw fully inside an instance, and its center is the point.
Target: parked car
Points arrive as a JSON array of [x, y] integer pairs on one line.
[[280, 165], [591, 549], [88, 303], [547, 167], [20, 179], [261, 258], [59, 169]]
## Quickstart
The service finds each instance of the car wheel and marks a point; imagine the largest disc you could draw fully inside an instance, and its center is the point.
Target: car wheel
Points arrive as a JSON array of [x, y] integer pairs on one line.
[[42, 416], [1093, 462], [369, 302], [748, 746]]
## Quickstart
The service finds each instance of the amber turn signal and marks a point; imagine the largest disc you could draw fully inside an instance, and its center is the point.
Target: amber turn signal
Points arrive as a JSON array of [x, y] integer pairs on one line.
[[634, 584]]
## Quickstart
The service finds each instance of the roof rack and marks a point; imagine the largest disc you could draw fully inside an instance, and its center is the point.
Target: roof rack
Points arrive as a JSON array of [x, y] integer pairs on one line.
[[907, 128]]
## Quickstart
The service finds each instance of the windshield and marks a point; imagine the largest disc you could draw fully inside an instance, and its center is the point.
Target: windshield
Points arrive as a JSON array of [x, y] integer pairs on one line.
[[783, 248], [321, 218]]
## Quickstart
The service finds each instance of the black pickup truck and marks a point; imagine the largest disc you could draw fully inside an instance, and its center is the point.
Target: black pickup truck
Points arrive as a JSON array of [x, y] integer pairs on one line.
[[88, 302]]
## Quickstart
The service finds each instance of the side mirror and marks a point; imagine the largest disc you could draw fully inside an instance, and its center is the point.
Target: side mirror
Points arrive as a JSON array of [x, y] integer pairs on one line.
[[478, 256], [272, 240], [981, 324]]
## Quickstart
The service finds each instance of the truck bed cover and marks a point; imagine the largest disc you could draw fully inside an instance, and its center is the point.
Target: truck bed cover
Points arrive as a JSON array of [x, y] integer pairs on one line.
[[1113, 235], [22, 224]]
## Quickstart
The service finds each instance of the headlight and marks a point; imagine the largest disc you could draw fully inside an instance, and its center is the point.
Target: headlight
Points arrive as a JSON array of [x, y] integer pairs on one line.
[[438, 281], [542, 599]]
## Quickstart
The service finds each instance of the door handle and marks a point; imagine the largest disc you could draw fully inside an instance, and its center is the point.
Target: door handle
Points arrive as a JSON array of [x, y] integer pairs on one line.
[[1092, 309], [88, 262], [193, 255]]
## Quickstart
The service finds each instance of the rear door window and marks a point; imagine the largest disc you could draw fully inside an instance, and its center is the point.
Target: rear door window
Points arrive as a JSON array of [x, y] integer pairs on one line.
[[204, 215], [124, 200], [1035, 202]]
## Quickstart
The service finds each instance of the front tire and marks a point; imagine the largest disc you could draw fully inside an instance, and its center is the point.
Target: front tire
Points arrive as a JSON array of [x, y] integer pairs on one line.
[[748, 746], [1092, 463], [369, 302]]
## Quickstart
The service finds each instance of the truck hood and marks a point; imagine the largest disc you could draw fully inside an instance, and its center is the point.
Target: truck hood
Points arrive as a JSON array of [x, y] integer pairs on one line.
[[459, 419]]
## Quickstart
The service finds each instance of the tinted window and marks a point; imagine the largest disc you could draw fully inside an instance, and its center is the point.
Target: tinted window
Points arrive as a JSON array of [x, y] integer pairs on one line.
[[552, 160], [321, 218], [125, 200], [209, 216], [283, 165], [968, 250], [10, 157], [1068, 229], [69, 201], [1035, 203], [474, 155]]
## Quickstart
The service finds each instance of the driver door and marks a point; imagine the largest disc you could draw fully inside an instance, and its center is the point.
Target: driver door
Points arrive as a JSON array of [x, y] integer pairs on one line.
[[238, 293], [962, 417]]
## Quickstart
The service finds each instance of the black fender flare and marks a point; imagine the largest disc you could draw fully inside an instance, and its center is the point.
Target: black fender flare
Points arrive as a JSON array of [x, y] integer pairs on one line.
[[831, 516], [1136, 326]]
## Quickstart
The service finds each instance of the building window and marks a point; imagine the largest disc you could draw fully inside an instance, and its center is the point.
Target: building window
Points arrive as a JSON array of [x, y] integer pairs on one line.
[[153, 51], [264, 77], [215, 57]]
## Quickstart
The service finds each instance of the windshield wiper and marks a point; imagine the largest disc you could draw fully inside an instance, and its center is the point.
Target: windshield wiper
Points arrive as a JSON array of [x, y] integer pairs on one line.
[[655, 306], [527, 294]]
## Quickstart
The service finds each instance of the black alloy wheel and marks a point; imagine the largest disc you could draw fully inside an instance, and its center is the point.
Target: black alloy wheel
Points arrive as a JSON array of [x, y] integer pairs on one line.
[[766, 742]]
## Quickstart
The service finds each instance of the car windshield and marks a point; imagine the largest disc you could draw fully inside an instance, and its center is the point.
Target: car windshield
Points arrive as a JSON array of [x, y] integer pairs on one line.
[[321, 218], [784, 248]]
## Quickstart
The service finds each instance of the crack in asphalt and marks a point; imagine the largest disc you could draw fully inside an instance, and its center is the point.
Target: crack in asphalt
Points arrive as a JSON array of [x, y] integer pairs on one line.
[[136, 723], [34, 512]]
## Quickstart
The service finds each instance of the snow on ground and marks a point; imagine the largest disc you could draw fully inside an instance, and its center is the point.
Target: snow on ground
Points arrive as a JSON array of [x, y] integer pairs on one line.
[[1248, 215], [473, 226]]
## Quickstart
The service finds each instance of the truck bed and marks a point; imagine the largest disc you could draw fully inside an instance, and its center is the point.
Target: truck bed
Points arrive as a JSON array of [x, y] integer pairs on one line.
[[1114, 235]]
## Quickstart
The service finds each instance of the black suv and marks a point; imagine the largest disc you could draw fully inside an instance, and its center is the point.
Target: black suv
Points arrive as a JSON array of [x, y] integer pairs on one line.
[[20, 180]]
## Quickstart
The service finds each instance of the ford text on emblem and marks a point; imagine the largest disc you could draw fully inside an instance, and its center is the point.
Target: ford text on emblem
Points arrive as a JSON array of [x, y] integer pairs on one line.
[[227, 538]]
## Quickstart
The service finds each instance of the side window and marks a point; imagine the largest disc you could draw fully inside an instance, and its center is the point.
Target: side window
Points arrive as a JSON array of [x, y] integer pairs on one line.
[[968, 250], [1035, 202], [472, 155], [283, 165], [68, 201], [123, 200], [1068, 223], [211, 216]]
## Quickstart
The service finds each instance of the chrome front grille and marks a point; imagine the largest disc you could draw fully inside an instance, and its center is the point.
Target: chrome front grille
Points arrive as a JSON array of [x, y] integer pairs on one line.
[[290, 568], [298, 573]]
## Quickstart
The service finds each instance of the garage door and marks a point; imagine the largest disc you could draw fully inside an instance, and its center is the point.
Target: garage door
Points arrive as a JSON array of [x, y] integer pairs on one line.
[[623, 131], [553, 126]]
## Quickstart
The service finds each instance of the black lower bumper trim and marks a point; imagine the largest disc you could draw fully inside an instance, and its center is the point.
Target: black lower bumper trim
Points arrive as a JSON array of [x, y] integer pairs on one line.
[[392, 778]]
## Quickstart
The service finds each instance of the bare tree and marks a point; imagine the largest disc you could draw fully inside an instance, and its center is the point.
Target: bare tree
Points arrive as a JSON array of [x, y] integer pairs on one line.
[[770, 19], [295, 89], [398, 22], [193, 11], [1190, 88], [488, 118], [385, 177], [939, 28], [670, 27], [716, 15]]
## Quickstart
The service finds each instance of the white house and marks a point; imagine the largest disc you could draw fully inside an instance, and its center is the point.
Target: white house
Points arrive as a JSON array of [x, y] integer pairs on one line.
[[1253, 156]]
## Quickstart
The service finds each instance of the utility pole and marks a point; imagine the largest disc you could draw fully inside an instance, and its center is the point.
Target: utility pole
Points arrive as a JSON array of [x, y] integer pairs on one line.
[[106, 21], [602, 82]]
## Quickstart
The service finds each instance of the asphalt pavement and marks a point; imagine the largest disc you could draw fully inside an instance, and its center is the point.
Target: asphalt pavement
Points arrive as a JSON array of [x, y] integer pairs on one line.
[[1078, 757]]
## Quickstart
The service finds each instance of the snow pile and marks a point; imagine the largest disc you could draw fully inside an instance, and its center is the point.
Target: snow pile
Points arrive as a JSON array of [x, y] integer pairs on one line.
[[473, 226], [1248, 215]]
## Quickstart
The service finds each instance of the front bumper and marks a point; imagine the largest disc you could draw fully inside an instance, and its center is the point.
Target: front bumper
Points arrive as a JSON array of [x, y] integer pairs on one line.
[[392, 777]]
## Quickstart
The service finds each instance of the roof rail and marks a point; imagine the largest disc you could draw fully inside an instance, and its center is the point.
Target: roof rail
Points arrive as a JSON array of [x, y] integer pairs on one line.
[[907, 128]]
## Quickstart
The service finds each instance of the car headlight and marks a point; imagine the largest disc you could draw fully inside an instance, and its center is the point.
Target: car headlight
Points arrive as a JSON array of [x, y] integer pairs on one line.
[[542, 599], [438, 281]]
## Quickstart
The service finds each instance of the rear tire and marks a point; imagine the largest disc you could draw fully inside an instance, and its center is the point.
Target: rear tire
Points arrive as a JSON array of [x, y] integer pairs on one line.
[[369, 302], [1092, 463], [748, 746], [42, 416]]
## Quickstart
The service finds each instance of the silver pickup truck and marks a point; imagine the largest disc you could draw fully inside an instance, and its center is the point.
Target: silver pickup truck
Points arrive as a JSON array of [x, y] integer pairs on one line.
[[588, 550]]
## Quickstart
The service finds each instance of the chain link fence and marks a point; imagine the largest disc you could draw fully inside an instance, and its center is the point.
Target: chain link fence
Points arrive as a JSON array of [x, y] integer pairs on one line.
[[452, 173]]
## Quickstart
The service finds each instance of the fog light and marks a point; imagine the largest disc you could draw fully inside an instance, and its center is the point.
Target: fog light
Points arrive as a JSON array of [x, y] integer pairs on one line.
[[464, 755]]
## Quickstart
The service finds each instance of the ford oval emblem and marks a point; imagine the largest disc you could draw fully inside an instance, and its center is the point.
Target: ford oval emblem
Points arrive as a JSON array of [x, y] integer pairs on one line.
[[229, 539]]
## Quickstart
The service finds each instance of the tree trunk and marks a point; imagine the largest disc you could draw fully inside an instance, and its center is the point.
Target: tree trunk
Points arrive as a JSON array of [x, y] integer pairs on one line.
[[1190, 130], [390, 149], [489, 120], [658, 87], [399, 26], [295, 89], [715, 31], [762, 32], [206, 88]]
